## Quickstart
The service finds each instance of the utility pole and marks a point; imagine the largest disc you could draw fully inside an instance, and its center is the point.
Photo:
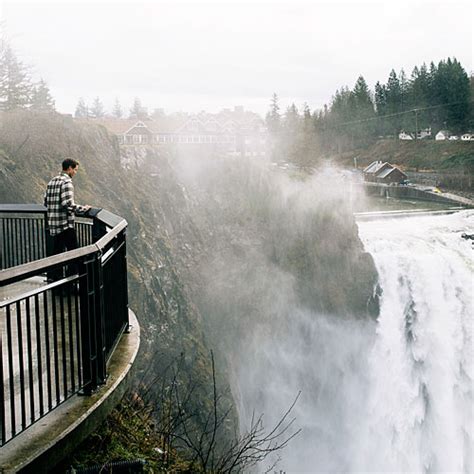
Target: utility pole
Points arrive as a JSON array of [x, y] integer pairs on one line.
[[416, 124]]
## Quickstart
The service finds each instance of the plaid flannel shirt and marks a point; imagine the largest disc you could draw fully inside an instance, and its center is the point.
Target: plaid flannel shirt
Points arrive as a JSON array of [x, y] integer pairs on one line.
[[59, 201]]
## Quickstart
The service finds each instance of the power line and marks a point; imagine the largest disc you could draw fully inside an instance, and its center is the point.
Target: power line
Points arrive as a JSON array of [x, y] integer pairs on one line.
[[416, 110]]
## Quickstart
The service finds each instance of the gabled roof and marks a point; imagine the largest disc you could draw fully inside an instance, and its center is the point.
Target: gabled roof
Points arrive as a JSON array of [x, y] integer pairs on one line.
[[384, 173], [119, 126], [375, 166]]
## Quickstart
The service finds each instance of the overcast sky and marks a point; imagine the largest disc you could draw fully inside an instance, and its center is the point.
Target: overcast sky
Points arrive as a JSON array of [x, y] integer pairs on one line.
[[207, 55]]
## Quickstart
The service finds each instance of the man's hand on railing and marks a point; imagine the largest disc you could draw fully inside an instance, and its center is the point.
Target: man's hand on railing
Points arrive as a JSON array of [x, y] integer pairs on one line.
[[82, 210]]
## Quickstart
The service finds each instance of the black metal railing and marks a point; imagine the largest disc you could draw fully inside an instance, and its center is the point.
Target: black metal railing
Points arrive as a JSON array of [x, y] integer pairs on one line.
[[56, 337]]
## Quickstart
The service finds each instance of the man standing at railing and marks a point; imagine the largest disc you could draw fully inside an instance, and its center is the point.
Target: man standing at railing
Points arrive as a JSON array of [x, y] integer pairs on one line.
[[61, 209]]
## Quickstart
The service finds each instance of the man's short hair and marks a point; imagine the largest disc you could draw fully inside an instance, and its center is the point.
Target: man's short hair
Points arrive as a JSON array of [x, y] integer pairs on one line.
[[69, 162]]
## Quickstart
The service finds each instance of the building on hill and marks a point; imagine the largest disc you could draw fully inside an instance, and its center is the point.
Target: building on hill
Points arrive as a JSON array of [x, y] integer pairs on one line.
[[405, 136], [420, 135], [423, 134], [383, 172], [467, 137], [442, 135], [391, 175], [238, 132], [370, 172]]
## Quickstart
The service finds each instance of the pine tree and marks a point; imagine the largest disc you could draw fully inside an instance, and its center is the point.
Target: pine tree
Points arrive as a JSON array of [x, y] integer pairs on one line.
[[404, 89], [453, 87], [97, 110], [393, 96], [393, 93], [381, 108], [82, 111], [41, 100], [15, 86], [362, 99], [306, 113], [138, 111], [117, 112], [292, 119], [419, 94], [380, 99], [362, 108], [273, 119]]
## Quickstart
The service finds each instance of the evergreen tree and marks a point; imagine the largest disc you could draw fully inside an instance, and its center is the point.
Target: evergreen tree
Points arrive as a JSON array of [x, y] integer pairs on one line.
[[471, 94], [138, 111], [82, 111], [117, 111], [380, 99], [419, 95], [406, 120], [362, 100], [419, 87], [393, 93], [433, 99], [15, 86], [362, 110], [291, 134], [273, 119], [41, 99], [381, 108], [306, 113], [292, 119], [404, 90], [455, 91], [97, 110], [393, 96]]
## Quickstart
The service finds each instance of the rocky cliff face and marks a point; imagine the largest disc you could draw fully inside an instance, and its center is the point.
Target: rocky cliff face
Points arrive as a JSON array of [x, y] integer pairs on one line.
[[272, 244]]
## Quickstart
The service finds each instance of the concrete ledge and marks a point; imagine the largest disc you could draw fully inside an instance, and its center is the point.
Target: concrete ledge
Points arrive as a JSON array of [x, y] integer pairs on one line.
[[39, 448], [420, 193]]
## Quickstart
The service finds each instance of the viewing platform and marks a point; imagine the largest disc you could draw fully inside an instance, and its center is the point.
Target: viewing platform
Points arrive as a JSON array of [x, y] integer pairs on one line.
[[68, 340]]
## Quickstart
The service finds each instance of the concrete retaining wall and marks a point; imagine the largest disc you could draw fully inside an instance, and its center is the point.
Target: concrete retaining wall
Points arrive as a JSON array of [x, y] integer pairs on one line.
[[410, 192]]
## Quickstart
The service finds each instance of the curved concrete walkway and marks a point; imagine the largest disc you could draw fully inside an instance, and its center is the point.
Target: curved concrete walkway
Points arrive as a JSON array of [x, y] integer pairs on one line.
[[39, 448]]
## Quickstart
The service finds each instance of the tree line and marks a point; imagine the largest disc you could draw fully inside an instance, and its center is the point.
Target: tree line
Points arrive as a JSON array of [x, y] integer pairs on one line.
[[437, 97], [17, 89], [97, 109]]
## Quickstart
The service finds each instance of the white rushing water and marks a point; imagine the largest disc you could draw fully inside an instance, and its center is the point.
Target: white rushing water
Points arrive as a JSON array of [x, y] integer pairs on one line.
[[394, 395], [420, 406]]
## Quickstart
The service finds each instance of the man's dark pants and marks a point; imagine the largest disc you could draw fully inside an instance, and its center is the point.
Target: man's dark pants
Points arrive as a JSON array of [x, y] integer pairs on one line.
[[66, 240]]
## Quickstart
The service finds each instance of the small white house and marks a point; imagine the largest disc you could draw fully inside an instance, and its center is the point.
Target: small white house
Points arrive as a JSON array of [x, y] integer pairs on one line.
[[442, 135], [426, 133], [467, 137], [405, 136]]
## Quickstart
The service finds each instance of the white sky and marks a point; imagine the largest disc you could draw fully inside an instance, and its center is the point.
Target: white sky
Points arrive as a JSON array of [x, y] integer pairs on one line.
[[206, 55]]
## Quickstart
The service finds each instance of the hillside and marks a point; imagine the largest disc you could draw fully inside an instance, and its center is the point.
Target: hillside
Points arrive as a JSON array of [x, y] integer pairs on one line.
[[421, 155]]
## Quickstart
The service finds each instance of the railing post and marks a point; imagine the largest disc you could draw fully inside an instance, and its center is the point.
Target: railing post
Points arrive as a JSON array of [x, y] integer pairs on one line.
[[48, 240], [86, 323], [98, 230], [100, 321], [92, 323]]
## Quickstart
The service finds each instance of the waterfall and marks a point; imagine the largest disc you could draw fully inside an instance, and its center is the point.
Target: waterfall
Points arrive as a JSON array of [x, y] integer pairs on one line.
[[392, 395], [421, 365]]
